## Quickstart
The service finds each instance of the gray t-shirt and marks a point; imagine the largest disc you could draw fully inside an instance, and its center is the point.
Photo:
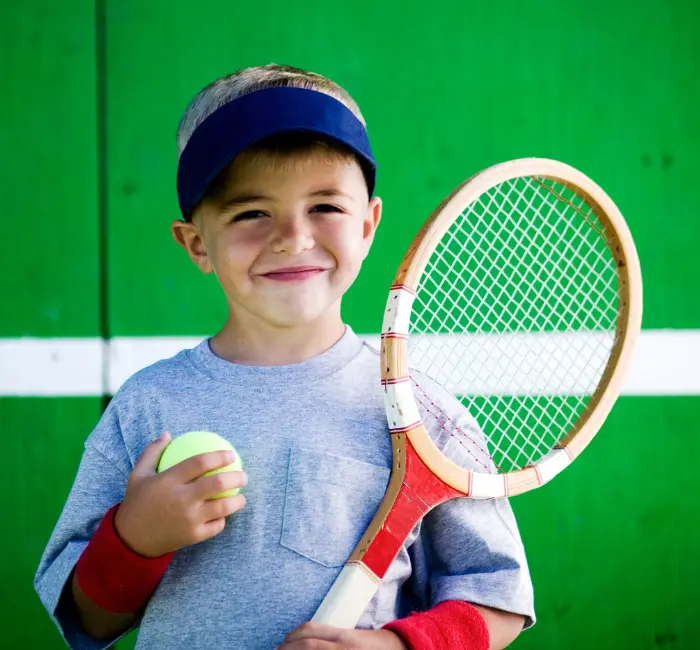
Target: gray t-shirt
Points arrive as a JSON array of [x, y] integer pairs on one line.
[[314, 441]]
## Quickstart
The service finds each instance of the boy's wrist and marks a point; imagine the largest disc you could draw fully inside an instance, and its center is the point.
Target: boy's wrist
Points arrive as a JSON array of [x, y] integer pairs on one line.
[[112, 575], [121, 529], [450, 625], [394, 641]]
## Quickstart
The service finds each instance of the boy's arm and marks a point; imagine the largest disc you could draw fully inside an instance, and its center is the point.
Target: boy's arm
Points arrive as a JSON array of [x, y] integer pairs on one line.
[[470, 579], [111, 572], [99, 484], [470, 550], [95, 621], [451, 625], [113, 576], [503, 627], [458, 625], [99, 570]]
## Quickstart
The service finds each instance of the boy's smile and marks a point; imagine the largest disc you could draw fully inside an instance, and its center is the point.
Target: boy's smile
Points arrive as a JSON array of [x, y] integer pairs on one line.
[[294, 273]]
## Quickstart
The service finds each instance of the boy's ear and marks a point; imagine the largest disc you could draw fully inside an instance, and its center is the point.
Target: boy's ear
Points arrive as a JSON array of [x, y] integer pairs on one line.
[[189, 236], [372, 219]]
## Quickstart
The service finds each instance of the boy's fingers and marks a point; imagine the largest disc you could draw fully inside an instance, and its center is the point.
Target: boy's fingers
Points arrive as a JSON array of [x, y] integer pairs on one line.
[[314, 631], [318, 644], [212, 486], [222, 508], [215, 513], [212, 528], [193, 468], [148, 462]]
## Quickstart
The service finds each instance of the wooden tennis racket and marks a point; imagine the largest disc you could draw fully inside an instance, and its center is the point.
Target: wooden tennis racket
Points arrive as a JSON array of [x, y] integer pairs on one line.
[[522, 297]]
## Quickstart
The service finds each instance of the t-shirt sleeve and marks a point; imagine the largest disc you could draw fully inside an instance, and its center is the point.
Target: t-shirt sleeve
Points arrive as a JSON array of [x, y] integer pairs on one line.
[[471, 550], [99, 484], [467, 549]]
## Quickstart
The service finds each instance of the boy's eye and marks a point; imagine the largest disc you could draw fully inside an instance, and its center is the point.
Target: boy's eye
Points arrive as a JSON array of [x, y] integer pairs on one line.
[[248, 215], [325, 207]]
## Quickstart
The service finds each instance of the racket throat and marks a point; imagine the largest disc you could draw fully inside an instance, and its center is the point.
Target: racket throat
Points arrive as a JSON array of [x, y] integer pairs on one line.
[[420, 492]]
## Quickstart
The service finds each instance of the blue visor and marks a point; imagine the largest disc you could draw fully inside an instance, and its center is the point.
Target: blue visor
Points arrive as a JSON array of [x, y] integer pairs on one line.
[[258, 116]]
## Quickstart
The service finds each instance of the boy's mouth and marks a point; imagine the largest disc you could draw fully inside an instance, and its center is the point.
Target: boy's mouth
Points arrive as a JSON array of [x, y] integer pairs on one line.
[[294, 273]]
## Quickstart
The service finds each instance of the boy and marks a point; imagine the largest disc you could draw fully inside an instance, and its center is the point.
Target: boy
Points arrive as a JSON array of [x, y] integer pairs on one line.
[[275, 183]]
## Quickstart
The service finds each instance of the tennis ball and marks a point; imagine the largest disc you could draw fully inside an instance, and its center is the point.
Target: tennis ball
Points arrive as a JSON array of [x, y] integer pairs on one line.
[[195, 443]]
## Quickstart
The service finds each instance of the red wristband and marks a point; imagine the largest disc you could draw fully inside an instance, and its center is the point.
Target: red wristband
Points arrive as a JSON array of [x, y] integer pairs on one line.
[[114, 577], [451, 625]]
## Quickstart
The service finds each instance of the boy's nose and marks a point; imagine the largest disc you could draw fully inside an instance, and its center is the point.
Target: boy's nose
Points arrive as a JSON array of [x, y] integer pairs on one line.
[[292, 235]]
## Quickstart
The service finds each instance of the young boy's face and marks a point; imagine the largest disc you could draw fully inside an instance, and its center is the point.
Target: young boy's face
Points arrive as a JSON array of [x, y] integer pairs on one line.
[[286, 235]]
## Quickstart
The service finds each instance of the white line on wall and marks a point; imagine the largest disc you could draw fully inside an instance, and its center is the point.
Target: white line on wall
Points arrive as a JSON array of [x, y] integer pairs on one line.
[[51, 367], [666, 362]]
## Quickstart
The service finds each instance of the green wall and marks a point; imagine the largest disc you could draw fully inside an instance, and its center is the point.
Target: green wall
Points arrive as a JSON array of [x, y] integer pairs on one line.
[[91, 96], [49, 283]]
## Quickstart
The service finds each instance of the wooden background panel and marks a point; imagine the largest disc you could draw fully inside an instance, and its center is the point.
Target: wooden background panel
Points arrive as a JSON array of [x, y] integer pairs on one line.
[[42, 445], [612, 542], [48, 170], [446, 90], [48, 278], [607, 87]]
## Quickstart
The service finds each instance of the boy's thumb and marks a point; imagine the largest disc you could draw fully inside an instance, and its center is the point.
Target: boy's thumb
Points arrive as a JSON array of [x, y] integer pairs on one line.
[[148, 463]]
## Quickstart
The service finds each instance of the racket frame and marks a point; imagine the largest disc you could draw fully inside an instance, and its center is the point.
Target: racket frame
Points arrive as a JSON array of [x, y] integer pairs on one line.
[[394, 346]]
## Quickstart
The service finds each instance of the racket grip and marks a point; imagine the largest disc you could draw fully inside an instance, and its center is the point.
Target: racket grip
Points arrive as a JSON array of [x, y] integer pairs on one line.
[[348, 598]]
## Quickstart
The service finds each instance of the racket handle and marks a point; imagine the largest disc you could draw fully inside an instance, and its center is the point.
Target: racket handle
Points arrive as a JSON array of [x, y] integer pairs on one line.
[[348, 598]]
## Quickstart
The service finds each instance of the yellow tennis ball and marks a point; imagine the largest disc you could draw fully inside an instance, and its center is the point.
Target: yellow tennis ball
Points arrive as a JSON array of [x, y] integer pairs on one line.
[[195, 443]]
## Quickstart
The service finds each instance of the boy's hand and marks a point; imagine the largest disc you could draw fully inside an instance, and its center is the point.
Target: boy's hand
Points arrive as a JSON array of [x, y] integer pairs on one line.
[[314, 636], [168, 511]]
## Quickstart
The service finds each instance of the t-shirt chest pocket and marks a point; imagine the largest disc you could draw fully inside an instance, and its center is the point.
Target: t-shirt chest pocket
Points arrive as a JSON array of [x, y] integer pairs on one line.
[[329, 502]]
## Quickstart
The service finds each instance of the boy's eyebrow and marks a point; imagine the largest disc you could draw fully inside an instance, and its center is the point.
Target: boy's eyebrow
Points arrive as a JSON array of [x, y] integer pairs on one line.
[[241, 199], [330, 193]]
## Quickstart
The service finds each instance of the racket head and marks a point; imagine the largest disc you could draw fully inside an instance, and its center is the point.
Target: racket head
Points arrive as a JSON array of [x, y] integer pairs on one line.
[[483, 311]]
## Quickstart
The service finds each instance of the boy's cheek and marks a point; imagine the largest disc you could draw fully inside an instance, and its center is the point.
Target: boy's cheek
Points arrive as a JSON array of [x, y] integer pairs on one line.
[[360, 251], [234, 262]]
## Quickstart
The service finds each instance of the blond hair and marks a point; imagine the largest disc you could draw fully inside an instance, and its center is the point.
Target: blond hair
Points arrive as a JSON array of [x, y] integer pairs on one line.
[[249, 80]]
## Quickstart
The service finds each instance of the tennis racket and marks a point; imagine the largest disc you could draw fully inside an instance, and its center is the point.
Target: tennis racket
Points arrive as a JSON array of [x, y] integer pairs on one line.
[[522, 297]]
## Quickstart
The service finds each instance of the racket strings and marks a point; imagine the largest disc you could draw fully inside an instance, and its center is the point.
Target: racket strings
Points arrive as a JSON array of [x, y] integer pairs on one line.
[[532, 444], [515, 313], [474, 447], [571, 256], [593, 223]]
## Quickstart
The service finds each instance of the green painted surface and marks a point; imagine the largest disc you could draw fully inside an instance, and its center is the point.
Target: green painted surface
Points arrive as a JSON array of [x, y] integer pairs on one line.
[[447, 89], [48, 278], [42, 444], [613, 541], [48, 162]]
